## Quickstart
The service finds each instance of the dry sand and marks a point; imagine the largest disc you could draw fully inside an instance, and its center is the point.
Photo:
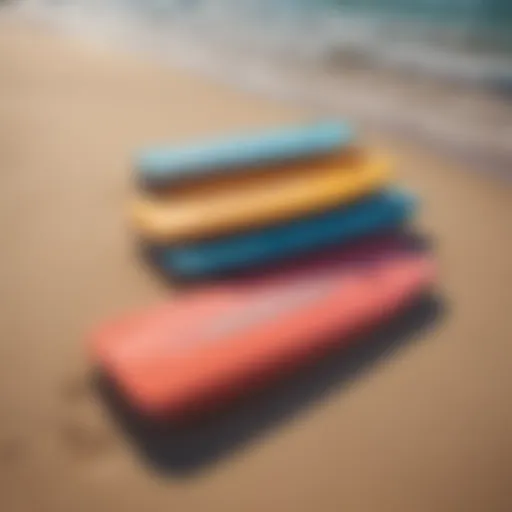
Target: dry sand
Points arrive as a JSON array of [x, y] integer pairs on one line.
[[427, 428]]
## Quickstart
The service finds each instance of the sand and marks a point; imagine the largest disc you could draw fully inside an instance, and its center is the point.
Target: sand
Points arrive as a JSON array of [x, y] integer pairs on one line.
[[425, 427]]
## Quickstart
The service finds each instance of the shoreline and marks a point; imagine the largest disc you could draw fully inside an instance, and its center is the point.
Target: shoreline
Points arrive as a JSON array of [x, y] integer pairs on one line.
[[463, 121]]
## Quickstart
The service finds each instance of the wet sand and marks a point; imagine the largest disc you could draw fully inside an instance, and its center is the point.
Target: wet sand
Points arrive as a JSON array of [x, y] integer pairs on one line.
[[426, 427]]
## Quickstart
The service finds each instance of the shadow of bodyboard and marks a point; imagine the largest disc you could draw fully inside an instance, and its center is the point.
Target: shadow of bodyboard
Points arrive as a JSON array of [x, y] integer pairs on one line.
[[184, 449]]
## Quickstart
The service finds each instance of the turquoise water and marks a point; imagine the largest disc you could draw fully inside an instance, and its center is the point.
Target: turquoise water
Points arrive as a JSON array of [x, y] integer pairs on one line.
[[485, 23], [462, 37], [396, 64]]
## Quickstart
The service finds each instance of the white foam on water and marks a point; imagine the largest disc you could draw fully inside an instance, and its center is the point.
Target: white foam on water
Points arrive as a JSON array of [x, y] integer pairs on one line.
[[274, 28], [346, 63]]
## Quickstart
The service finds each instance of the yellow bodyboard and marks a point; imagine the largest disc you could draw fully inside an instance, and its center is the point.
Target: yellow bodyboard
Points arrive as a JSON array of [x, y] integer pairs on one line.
[[224, 204]]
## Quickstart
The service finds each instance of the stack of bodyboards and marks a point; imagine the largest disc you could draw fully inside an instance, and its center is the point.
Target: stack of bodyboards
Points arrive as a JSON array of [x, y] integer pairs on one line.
[[308, 226]]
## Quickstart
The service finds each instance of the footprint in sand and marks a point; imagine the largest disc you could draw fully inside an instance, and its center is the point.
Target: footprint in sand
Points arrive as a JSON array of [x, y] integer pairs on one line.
[[77, 390], [83, 431], [90, 447], [84, 438]]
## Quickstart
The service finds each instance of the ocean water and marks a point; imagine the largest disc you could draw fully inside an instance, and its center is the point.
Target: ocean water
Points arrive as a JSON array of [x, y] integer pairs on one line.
[[438, 70], [468, 39]]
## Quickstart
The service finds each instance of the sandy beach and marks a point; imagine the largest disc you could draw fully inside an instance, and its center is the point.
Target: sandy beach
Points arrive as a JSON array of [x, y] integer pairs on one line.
[[426, 427]]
